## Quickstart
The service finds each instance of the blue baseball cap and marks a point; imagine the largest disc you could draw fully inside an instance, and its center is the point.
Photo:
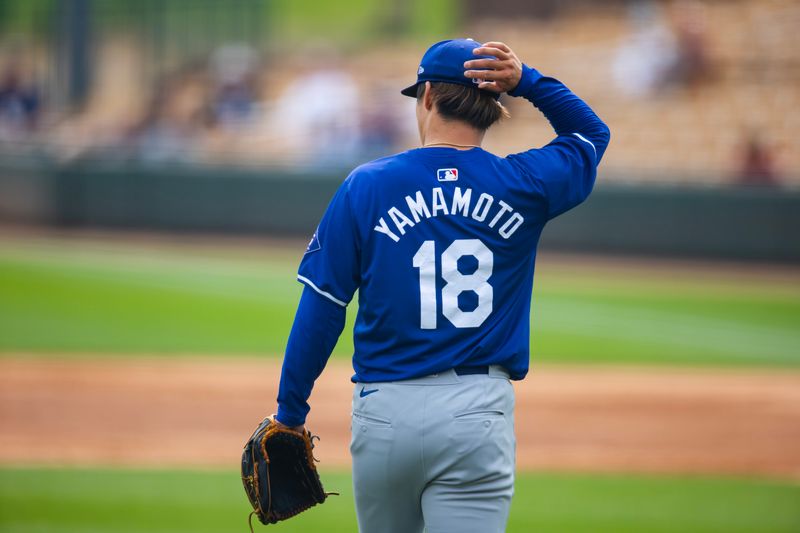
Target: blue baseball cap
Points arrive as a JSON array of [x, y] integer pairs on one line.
[[444, 62]]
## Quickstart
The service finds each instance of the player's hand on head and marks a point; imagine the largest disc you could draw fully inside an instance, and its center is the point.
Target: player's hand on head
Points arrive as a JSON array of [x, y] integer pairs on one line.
[[501, 74]]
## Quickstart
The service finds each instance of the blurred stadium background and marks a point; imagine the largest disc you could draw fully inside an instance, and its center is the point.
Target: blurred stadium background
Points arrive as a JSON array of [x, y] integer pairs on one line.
[[162, 162]]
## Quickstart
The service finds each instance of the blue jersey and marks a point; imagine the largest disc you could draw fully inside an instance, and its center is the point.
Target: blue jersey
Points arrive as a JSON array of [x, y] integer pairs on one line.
[[440, 244]]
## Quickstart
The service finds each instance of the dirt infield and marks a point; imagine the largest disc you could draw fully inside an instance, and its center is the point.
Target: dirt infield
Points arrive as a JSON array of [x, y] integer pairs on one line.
[[197, 412]]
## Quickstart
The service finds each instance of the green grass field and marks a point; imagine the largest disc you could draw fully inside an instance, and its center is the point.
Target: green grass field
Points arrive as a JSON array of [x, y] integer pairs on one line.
[[109, 501], [60, 298]]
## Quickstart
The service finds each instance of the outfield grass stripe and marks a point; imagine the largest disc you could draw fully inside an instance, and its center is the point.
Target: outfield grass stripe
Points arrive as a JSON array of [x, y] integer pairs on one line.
[[221, 283], [679, 331], [662, 286], [118, 298], [112, 501]]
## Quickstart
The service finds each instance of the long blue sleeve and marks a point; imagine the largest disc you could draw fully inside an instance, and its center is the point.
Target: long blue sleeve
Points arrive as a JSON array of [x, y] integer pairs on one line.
[[566, 168], [317, 326]]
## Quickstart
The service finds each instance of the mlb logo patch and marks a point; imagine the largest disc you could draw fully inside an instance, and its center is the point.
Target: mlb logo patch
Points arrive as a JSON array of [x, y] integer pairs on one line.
[[447, 174]]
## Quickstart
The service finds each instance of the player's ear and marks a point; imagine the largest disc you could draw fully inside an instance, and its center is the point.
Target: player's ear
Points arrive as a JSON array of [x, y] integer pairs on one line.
[[427, 98]]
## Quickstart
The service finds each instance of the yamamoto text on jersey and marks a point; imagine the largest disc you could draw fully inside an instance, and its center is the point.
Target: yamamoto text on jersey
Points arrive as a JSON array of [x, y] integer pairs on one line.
[[481, 208]]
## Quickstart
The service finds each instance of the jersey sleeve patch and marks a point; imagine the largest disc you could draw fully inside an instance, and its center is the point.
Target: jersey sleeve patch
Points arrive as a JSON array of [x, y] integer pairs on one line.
[[313, 244]]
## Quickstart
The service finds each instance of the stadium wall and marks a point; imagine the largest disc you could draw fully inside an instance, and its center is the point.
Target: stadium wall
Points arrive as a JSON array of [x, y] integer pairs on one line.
[[704, 222]]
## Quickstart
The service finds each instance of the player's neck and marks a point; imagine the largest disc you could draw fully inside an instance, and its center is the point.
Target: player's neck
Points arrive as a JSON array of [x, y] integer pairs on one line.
[[450, 133]]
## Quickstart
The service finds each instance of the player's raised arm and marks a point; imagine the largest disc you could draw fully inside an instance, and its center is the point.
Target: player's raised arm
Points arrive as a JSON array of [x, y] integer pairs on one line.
[[565, 169]]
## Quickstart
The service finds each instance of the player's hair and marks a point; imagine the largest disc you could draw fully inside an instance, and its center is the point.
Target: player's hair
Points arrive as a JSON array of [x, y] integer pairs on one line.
[[477, 108]]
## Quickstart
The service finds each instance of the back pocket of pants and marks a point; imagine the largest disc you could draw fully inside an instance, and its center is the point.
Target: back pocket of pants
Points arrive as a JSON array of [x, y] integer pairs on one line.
[[371, 436], [474, 429], [371, 420], [478, 414]]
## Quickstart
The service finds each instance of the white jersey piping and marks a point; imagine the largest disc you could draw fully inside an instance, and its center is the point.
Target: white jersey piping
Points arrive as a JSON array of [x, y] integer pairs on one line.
[[584, 139], [327, 295]]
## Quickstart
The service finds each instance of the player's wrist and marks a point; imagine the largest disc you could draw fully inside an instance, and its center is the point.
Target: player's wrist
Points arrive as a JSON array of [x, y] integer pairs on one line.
[[286, 419], [526, 82]]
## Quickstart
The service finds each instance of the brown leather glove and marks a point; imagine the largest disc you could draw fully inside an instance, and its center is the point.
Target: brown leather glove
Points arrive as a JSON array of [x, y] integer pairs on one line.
[[279, 474]]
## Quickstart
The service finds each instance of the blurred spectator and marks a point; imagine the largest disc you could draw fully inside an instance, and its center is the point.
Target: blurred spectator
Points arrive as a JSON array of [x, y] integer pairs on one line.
[[233, 67], [19, 103], [656, 55], [757, 163], [648, 54], [172, 123], [318, 113], [692, 65], [381, 124]]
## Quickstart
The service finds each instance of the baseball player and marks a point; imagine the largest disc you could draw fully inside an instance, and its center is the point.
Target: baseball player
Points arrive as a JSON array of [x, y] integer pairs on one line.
[[440, 241]]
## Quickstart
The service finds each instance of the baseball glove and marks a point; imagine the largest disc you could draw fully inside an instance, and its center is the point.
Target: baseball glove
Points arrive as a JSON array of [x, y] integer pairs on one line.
[[279, 474]]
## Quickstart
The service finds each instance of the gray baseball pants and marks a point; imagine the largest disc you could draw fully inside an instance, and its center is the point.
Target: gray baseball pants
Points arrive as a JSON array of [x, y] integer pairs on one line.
[[435, 453]]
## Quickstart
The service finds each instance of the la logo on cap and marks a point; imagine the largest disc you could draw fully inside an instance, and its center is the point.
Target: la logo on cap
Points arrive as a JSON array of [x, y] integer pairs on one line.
[[447, 174]]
